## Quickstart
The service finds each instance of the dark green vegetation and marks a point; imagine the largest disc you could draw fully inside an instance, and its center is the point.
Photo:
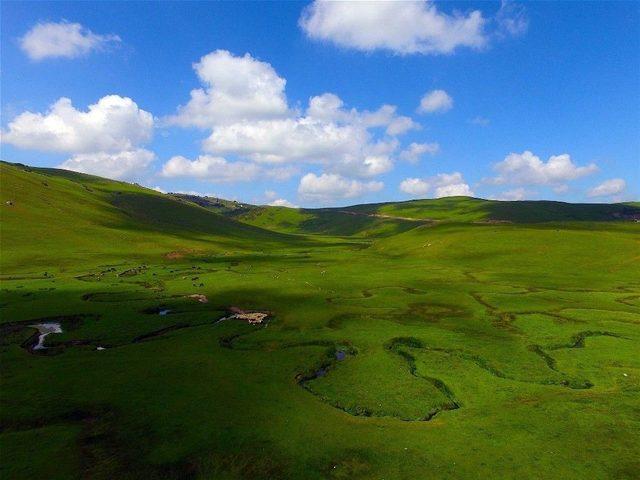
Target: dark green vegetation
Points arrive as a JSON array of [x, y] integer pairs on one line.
[[499, 341]]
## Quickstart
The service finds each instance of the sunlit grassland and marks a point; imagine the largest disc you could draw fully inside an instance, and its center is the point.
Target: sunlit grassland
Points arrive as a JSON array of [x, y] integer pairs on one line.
[[469, 350]]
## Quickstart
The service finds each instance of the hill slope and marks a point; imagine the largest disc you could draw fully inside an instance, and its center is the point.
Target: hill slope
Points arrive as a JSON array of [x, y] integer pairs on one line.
[[56, 212], [387, 219], [467, 209]]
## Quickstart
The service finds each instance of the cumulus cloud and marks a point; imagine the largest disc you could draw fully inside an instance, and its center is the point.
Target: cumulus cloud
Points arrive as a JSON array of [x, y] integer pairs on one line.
[[515, 194], [279, 141], [443, 185], [512, 19], [527, 169], [416, 187], [405, 27], [105, 140], [245, 107], [112, 124], [329, 107], [328, 188], [435, 101], [343, 144], [62, 40], [281, 202], [200, 194], [416, 150], [125, 165], [236, 88], [220, 170], [613, 186], [214, 169]]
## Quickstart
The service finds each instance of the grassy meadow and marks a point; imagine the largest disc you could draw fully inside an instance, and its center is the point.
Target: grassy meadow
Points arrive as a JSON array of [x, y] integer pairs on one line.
[[437, 339]]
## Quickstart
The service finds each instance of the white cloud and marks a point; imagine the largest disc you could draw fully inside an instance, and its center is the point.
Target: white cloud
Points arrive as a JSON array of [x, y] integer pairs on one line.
[[450, 185], [280, 173], [512, 19], [220, 170], [343, 141], [113, 124], [281, 202], [125, 165], [613, 186], [480, 121], [515, 194], [527, 169], [400, 125], [237, 88], [443, 184], [279, 141], [327, 135], [435, 101], [343, 148], [328, 107], [214, 169], [62, 40], [327, 188], [415, 187], [403, 27], [416, 150], [385, 116], [200, 194], [105, 140]]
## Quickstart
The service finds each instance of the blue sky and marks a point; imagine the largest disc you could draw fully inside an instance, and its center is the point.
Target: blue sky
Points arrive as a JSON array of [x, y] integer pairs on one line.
[[519, 100]]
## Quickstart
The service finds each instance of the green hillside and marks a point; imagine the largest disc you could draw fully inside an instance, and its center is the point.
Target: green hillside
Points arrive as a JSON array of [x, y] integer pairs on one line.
[[326, 221], [56, 213], [387, 219], [489, 343], [467, 209]]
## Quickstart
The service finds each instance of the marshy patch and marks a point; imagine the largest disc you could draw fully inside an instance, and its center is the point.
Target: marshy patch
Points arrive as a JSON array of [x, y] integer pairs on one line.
[[401, 344], [353, 400], [36, 332], [44, 329]]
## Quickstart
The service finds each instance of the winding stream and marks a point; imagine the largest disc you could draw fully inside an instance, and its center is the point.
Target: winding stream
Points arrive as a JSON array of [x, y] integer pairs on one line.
[[45, 329]]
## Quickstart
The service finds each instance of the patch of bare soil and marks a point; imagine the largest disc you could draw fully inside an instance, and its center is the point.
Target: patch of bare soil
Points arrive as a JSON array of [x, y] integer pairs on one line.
[[251, 317], [199, 298], [178, 254]]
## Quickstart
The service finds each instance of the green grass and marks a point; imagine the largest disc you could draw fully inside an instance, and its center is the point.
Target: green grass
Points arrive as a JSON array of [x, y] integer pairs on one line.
[[473, 349], [467, 209]]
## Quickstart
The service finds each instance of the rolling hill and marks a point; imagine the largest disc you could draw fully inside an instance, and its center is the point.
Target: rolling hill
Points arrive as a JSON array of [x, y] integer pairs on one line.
[[450, 338], [56, 212], [388, 219]]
